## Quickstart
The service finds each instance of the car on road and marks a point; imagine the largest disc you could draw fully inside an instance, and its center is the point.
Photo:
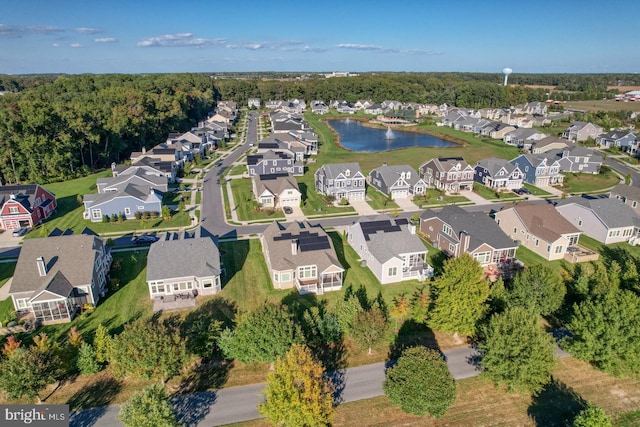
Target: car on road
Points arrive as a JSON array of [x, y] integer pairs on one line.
[[20, 231], [144, 239], [288, 210]]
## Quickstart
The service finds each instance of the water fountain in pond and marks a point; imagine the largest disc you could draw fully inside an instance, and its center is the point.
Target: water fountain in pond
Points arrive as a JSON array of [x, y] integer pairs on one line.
[[347, 120], [389, 134]]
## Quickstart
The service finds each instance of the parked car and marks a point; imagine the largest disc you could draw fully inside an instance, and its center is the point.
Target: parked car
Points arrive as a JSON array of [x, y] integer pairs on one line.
[[288, 210], [20, 231], [144, 239], [522, 191]]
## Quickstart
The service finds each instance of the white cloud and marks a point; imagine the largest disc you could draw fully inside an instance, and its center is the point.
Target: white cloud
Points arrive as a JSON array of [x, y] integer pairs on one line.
[[106, 40], [56, 45], [179, 39], [45, 29], [13, 31], [75, 45], [89, 30], [382, 49], [282, 45]]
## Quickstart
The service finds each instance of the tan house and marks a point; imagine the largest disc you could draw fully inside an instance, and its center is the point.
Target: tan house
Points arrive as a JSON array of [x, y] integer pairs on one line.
[[302, 256], [540, 228], [276, 190]]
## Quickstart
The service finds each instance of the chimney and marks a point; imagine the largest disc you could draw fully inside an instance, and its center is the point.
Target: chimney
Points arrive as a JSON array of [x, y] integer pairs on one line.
[[294, 246], [465, 240], [42, 267], [144, 150]]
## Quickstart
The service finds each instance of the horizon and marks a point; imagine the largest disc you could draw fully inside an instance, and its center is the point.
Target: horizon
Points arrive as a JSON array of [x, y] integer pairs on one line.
[[71, 37]]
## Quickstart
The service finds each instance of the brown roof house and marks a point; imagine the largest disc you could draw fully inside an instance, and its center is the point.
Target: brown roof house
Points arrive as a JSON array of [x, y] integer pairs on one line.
[[56, 275], [301, 255], [540, 228]]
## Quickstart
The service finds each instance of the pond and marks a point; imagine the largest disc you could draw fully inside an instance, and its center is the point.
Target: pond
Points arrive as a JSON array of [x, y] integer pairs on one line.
[[354, 136]]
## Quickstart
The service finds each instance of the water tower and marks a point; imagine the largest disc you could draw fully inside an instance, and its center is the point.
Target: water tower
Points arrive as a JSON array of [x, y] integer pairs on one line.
[[506, 72]]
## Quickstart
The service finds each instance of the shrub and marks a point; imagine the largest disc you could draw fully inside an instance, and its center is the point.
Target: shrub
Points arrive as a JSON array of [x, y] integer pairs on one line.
[[105, 218], [138, 215]]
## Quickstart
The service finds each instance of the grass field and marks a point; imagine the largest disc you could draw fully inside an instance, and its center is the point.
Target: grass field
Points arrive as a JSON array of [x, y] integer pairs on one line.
[[246, 204], [602, 105], [6, 306], [378, 201], [577, 183]]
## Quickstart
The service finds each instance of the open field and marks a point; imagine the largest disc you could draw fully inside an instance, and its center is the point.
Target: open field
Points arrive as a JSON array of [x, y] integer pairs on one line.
[[601, 105], [577, 183]]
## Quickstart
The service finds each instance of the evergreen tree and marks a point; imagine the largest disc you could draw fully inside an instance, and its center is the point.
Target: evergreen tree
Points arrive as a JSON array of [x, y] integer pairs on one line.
[[297, 392], [538, 288], [102, 343], [86, 361], [421, 383]]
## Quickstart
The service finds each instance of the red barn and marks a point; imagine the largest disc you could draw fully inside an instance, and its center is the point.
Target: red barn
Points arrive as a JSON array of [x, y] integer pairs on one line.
[[25, 205]]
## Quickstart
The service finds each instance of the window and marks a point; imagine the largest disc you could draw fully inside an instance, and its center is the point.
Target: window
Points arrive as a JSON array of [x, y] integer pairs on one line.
[[515, 230], [482, 257], [127, 211], [634, 204], [579, 222], [276, 277], [452, 248], [307, 272], [96, 213], [548, 248], [140, 208], [14, 209], [447, 230], [393, 271], [285, 277], [21, 303], [207, 283]]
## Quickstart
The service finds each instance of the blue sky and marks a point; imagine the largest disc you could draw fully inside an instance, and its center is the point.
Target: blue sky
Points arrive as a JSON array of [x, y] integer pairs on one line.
[[140, 36]]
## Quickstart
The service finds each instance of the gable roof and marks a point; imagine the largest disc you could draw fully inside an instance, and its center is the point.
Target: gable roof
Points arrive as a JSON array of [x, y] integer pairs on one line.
[[392, 173], [478, 225], [543, 220], [613, 213], [389, 238], [275, 183], [23, 194], [72, 255], [140, 192], [493, 165], [627, 191], [333, 170], [183, 255], [139, 176], [314, 246]]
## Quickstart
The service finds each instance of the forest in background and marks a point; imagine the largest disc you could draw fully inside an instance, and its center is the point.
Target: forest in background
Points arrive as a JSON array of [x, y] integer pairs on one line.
[[56, 127]]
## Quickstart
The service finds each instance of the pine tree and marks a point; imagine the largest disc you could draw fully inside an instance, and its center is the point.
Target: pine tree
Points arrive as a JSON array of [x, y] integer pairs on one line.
[[102, 342], [86, 361]]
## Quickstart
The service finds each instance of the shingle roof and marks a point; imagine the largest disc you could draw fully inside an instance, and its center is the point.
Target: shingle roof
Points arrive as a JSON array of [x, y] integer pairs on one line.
[[543, 221], [628, 191], [332, 170], [278, 241], [392, 173], [275, 183], [612, 212], [73, 255], [478, 225], [388, 238], [493, 165], [183, 257]]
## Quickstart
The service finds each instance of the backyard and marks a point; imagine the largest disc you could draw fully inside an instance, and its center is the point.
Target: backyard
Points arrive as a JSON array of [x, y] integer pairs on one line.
[[246, 206], [578, 183]]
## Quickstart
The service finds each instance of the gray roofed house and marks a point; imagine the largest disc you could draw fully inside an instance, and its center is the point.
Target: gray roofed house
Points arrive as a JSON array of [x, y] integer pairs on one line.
[[456, 231], [498, 174], [540, 170], [397, 181], [450, 174], [54, 276], [623, 139], [577, 159], [150, 165], [271, 162], [341, 180], [549, 143], [581, 131], [301, 255], [608, 220], [276, 190], [391, 249], [183, 264], [127, 200], [138, 178], [523, 137], [630, 195]]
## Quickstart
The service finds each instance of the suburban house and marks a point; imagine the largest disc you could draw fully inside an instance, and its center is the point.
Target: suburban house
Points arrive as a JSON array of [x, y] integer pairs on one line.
[[390, 248], [276, 190], [497, 130], [539, 169], [523, 137], [319, 107], [55, 276], [271, 162], [150, 166], [605, 219], [283, 143], [539, 228], [253, 102], [183, 264], [622, 139], [630, 195], [127, 201], [341, 180], [397, 181], [138, 178], [25, 205], [549, 143], [577, 159], [498, 174], [450, 174], [456, 231], [302, 256], [581, 131]]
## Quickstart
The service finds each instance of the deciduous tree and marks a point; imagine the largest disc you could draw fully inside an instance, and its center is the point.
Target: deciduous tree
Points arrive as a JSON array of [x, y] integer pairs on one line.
[[538, 288], [148, 408], [369, 328], [297, 392], [592, 416], [26, 372], [516, 351], [421, 383], [460, 296]]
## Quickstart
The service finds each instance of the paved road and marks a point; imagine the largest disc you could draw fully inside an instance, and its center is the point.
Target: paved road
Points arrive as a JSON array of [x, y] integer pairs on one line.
[[237, 404], [624, 169]]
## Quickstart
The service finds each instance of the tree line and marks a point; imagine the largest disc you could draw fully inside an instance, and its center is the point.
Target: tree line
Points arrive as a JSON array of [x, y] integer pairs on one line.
[[75, 124]]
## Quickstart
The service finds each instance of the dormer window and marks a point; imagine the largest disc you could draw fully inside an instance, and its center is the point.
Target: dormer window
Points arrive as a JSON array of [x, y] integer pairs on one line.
[[347, 173]]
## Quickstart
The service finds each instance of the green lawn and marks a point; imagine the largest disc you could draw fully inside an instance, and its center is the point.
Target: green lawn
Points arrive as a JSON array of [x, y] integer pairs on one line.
[[433, 196], [6, 306], [246, 205], [380, 201], [489, 194], [530, 258], [198, 197], [130, 300], [536, 191], [238, 170], [577, 183], [314, 203]]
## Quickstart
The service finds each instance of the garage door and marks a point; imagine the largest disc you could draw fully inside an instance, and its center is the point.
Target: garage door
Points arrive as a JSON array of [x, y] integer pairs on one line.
[[400, 194], [290, 202]]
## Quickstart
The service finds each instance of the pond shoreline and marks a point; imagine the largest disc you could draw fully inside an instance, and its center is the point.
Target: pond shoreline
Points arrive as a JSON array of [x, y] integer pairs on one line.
[[411, 128]]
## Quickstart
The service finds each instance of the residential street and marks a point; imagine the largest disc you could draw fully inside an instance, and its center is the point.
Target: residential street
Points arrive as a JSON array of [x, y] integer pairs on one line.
[[236, 404]]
